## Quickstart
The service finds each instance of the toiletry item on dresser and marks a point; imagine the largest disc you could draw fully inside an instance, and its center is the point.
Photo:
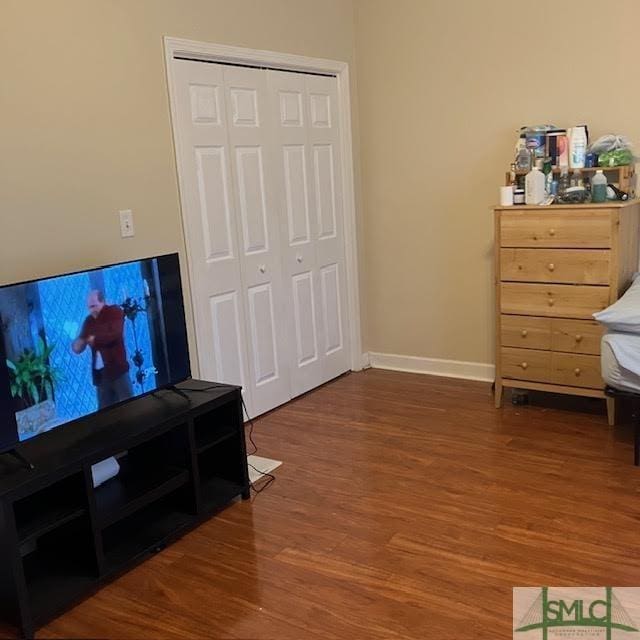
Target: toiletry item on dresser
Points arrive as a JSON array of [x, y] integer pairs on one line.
[[523, 155], [518, 196], [506, 196], [548, 175], [576, 179], [534, 187], [599, 187], [577, 147], [536, 139], [564, 182], [557, 147]]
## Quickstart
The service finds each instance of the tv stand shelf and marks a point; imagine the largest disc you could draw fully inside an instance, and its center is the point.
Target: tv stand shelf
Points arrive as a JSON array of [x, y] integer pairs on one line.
[[181, 460]]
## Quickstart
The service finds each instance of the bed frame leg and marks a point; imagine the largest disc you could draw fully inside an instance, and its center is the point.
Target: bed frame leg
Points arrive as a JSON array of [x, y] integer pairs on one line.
[[497, 393], [611, 411]]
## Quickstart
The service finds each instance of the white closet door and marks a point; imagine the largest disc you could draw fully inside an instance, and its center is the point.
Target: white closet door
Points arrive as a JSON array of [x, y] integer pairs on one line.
[[312, 225], [260, 167], [326, 162], [250, 129], [298, 229], [210, 223]]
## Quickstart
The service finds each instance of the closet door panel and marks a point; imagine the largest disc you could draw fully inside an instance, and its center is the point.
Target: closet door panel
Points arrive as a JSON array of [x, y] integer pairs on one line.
[[296, 193], [298, 228], [321, 94], [227, 337], [304, 318], [330, 284], [251, 132], [210, 223]]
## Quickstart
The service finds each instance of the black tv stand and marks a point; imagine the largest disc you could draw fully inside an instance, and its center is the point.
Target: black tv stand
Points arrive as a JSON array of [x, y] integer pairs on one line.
[[61, 539], [175, 389], [19, 457]]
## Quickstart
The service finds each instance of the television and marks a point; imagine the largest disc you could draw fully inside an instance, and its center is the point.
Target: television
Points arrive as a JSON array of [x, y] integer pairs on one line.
[[76, 344]]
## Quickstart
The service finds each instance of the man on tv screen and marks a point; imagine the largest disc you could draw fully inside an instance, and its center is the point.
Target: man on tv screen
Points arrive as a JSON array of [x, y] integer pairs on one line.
[[103, 332]]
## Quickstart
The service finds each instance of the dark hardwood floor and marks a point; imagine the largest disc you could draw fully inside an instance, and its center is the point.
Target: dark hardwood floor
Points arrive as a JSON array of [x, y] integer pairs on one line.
[[407, 507]]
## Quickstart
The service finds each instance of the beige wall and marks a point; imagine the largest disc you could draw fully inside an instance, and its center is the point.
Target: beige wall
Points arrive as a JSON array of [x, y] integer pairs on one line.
[[85, 118], [442, 87]]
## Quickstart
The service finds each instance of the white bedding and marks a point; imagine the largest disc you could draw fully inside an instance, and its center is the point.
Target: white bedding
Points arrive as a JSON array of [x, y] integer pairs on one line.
[[624, 314], [620, 361]]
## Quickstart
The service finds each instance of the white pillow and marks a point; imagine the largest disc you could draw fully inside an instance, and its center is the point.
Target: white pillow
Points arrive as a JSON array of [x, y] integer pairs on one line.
[[623, 314]]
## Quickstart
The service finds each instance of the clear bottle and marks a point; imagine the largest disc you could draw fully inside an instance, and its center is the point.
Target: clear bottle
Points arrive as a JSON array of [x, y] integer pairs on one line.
[[563, 183], [548, 174], [523, 155], [513, 176], [576, 178], [599, 187]]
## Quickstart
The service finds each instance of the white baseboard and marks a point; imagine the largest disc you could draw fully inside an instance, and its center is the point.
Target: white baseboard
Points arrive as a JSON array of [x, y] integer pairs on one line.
[[365, 361], [433, 366]]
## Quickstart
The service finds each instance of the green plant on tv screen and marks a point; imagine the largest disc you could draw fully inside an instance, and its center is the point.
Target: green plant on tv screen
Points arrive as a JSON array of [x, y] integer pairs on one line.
[[31, 375]]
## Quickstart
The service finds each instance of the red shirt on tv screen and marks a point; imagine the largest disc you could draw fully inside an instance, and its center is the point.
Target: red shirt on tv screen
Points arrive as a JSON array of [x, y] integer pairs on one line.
[[108, 331]]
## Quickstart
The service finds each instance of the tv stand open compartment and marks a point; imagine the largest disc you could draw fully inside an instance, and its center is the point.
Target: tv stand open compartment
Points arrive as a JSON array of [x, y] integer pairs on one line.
[[61, 538]]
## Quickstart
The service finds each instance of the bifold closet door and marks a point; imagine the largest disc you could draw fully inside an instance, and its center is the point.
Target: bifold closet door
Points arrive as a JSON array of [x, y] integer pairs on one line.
[[231, 226], [260, 168], [307, 138]]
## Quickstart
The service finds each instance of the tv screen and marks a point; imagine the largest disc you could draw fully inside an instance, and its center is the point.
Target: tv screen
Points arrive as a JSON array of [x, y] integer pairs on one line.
[[75, 344]]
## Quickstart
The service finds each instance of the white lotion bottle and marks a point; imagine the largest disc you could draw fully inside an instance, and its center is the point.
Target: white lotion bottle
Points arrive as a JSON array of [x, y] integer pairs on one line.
[[534, 184], [577, 148]]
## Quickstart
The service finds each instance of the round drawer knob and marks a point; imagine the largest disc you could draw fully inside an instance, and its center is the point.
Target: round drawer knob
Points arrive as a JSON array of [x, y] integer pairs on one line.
[[552, 232], [551, 302], [551, 266], [524, 333], [578, 337], [577, 371], [262, 268], [524, 365]]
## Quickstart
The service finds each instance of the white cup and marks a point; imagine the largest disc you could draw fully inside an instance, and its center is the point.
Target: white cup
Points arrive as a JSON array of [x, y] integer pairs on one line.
[[506, 196]]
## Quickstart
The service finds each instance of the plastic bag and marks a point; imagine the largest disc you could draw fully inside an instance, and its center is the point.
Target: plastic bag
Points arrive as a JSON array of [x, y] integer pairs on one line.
[[615, 158], [612, 151]]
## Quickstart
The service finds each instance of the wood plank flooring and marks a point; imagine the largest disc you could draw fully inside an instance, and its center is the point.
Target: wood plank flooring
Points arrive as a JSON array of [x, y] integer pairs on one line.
[[407, 507]]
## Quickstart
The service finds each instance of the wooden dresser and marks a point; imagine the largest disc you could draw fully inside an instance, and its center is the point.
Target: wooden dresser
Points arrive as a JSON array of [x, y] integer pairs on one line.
[[555, 266]]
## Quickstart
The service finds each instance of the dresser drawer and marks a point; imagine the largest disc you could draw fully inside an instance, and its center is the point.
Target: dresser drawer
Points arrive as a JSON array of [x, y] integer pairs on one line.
[[555, 229], [552, 300], [576, 266], [526, 332], [525, 364], [576, 336], [576, 370]]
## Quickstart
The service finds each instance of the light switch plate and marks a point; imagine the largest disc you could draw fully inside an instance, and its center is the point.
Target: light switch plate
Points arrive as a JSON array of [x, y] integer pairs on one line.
[[127, 229]]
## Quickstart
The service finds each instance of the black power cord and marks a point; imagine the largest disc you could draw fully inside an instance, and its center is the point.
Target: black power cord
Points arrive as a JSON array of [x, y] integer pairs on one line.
[[270, 477]]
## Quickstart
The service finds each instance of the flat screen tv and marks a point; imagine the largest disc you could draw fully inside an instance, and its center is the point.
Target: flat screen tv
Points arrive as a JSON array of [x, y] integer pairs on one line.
[[75, 344]]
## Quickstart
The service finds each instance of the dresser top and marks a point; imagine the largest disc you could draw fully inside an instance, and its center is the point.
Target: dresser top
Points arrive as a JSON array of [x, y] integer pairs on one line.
[[611, 204]]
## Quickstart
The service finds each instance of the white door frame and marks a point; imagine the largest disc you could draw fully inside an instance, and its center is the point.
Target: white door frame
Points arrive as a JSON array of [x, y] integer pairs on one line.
[[287, 62]]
